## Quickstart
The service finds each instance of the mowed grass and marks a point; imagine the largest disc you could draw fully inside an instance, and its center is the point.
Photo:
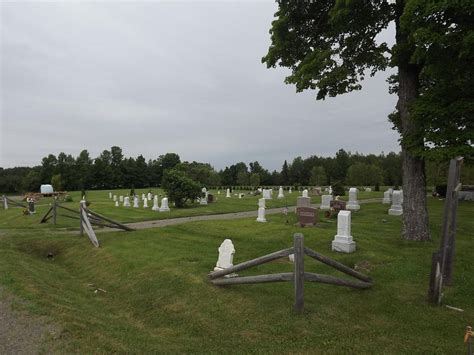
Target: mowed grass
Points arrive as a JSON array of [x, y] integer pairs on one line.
[[159, 300], [101, 203]]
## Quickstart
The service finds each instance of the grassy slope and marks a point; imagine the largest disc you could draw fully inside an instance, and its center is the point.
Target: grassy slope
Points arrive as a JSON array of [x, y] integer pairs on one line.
[[158, 298]]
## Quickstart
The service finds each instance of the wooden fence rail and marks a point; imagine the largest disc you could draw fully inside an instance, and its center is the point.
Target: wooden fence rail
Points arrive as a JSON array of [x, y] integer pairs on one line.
[[298, 276]]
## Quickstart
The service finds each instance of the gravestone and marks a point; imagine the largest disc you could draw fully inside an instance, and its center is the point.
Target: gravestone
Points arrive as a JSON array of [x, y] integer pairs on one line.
[[261, 203], [149, 196], [126, 201], [121, 198], [110, 194], [155, 204], [305, 193], [307, 216], [343, 240], [203, 199], [228, 193], [116, 203], [164, 205], [368, 189], [261, 215], [396, 209], [267, 194], [143, 197], [353, 204], [145, 203], [337, 205], [326, 202], [115, 198], [135, 202], [226, 255], [280, 192], [386, 198], [330, 190], [303, 201], [210, 198], [31, 205], [290, 191]]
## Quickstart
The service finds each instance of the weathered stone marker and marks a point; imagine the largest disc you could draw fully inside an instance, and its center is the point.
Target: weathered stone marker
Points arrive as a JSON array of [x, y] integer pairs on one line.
[[261, 215], [164, 205], [155, 204], [267, 194], [226, 255], [326, 202], [386, 198], [353, 204], [280, 192], [305, 193], [302, 201], [343, 240], [396, 209], [135, 202], [261, 203], [307, 216], [126, 201], [228, 193]]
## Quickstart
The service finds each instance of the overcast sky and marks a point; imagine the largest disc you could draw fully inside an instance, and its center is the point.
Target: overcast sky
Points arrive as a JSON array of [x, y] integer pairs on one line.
[[157, 77]]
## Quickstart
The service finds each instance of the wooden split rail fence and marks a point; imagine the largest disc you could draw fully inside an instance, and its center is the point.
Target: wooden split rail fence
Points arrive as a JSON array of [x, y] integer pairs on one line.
[[86, 217], [298, 276], [6, 202]]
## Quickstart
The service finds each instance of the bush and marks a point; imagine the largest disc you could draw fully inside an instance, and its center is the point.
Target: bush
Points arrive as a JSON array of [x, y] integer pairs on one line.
[[441, 190], [338, 189], [179, 187], [68, 198]]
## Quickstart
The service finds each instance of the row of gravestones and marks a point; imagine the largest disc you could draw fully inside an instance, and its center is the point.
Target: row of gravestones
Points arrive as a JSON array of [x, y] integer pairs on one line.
[[126, 202]]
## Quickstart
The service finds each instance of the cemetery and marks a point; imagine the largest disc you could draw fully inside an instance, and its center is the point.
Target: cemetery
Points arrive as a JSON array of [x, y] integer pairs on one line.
[[241, 216]]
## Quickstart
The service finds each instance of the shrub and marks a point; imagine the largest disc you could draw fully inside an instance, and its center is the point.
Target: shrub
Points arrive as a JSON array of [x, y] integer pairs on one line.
[[68, 198], [179, 187], [338, 189]]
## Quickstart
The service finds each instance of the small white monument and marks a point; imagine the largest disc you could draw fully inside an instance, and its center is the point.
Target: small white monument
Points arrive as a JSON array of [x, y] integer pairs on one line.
[[116, 203], [330, 189], [126, 201], [290, 191], [203, 199], [228, 193], [267, 194], [280, 192], [396, 209], [261, 215], [110, 194], [326, 202], [143, 197], [149, 196], [305, 193], [343, 240], [164, 205], [115, 198], [368, 189], [145, 203], [261, 203], [226, 256], [155, 204], [135, 202], [386, 198], [353, 204], [121, 198]]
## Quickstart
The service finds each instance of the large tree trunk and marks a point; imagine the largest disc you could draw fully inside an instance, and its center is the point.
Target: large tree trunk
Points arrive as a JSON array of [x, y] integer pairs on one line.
[[415, 212]]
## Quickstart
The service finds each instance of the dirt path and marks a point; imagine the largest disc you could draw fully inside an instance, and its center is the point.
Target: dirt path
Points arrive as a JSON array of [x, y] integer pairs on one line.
[[216, 217], [22, 333]]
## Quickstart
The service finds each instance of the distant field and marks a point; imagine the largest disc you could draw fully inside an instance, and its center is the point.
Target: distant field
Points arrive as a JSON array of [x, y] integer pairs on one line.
[[158, 299]]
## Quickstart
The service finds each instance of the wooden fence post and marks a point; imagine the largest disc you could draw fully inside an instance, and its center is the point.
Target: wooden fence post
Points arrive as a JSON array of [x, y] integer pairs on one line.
[[81, 218], [54, 210], [298, 245]]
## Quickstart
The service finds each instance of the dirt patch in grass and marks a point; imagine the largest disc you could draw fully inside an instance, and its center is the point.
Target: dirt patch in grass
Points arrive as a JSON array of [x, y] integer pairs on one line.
[[22, 333]]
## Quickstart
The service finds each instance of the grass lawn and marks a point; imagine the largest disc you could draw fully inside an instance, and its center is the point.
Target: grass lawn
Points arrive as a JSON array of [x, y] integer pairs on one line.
[[158, 298], [101, 203]]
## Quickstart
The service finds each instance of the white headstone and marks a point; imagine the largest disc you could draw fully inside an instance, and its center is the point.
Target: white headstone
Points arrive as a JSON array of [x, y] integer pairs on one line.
[[116, 204], [290, 191], [387, 198], [305, 193], [155, 204], [226, 255], [149, 196], [368, 189], [396, 209], [267, 194], [261, 202], [143, 197], [353, 204], [343, 240], [110, 194], [203, 201], [115, 198], [303, 201], [261, 215], [135, 202], [280, 192], [326, 202], [126, 201], [164, 205], [5, 202], [121, 198], [330, 190], [145, 203], [228, 193], [218, 192]]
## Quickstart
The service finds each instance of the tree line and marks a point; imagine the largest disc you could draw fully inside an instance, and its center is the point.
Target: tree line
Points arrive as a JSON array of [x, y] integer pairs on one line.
[[111, 169]]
